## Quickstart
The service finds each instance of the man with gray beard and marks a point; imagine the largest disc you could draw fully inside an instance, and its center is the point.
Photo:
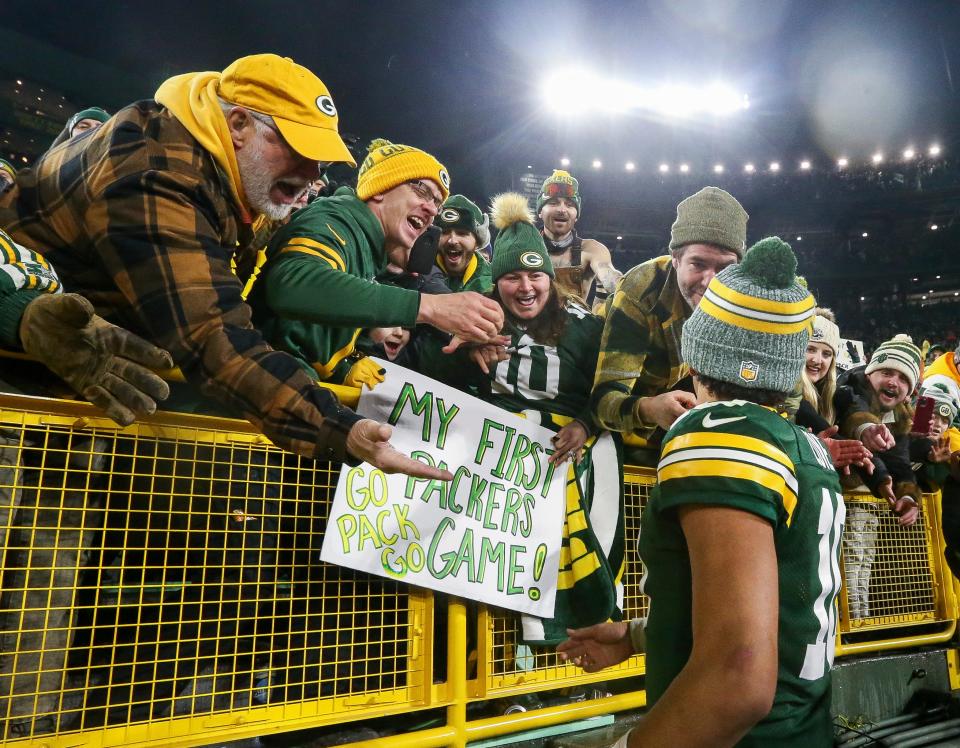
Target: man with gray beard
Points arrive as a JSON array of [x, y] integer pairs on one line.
[[145, 216]]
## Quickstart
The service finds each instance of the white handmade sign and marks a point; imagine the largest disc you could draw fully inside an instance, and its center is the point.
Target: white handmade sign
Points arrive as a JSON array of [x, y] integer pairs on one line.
[[492, 534]]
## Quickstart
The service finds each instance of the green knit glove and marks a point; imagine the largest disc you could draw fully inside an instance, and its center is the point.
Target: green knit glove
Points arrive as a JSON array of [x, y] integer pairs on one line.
[[106, 364]]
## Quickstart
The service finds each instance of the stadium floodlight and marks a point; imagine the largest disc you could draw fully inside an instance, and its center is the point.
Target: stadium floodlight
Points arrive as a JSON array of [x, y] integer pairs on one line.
[[938, 277], [863, 298], [934, 227], [864, 234], [597, 93], [908, 154], [842, 163], [664, 168], [774, 166], [629, 166], [805, 165], [877, 157], [684, 168], [530, 166], [718, 168], [619, 238], [934, 150], [597, 163], [749, 168], [564, 161], [799, 238]]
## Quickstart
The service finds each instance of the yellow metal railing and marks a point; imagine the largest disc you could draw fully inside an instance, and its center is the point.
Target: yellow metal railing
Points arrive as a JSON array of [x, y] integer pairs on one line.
[[162, 587]]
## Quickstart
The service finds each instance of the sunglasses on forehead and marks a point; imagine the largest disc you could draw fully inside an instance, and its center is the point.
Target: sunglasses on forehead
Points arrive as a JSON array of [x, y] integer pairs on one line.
[[559, 189]]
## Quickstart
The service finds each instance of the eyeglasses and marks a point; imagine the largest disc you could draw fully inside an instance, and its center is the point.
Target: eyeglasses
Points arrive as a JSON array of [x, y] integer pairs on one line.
[[267, 122], [559, 189], [425, 193]]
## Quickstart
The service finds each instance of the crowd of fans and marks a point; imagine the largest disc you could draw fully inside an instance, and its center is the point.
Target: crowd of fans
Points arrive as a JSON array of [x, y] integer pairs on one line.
[[196, 229]]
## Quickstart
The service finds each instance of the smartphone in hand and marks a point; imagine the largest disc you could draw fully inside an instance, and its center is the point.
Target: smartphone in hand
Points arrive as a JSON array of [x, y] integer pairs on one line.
[[922, 416]]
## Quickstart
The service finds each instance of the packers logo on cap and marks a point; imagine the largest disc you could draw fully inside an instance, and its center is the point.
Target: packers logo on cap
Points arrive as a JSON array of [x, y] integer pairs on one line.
[[748, 371], [944, 410], [444, 179], [449, 215], [531, 260], [325, 105]]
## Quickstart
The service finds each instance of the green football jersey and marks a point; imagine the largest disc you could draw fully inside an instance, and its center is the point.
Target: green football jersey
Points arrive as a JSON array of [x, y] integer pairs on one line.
[[742, 455], [556, 379]]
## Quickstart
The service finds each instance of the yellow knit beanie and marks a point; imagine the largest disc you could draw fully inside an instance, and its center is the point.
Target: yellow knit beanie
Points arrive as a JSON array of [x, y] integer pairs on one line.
[[390, 164]]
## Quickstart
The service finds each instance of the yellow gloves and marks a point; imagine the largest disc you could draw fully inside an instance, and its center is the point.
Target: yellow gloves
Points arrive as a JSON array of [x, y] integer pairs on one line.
[[365, 372]]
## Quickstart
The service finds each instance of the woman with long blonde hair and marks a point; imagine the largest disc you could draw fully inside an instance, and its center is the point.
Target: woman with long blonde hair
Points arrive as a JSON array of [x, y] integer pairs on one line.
[[819, 374]]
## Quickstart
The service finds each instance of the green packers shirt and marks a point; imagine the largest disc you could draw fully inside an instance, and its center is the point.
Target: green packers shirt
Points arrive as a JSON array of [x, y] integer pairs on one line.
[[742, 455], [555, 379]]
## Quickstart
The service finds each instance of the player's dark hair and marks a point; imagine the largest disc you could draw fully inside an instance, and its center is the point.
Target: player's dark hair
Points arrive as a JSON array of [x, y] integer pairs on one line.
[[729, 391]]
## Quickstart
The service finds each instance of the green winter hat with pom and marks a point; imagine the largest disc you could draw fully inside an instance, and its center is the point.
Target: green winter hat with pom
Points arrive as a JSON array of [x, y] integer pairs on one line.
[[518, 246], [752, 325]]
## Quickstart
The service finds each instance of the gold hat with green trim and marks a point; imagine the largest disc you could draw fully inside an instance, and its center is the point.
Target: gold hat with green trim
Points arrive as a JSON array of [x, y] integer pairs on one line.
[[388, 165], [752, 325], [298, 101]]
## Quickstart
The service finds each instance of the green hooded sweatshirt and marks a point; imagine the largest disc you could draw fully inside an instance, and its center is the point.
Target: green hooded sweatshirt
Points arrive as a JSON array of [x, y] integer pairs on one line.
[[316, 290]]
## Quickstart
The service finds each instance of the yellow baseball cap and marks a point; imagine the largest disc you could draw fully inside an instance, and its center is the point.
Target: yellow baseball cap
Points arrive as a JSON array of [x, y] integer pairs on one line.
[[297, 100]]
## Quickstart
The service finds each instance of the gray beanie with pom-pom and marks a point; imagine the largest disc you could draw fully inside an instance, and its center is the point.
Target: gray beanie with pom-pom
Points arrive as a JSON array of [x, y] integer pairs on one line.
[[752, 325]]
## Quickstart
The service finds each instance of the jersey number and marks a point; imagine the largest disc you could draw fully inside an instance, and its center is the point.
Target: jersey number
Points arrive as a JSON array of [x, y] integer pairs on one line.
[[819, 655], [537, 363]]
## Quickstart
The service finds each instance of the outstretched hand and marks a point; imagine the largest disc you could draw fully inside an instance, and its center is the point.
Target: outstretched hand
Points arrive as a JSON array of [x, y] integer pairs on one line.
[[486, 356], [499, 341], [846, 452], [369, 441], [108, 365], [940, 451], [597, 647], [665, 408], [877, 438], [905, 507]]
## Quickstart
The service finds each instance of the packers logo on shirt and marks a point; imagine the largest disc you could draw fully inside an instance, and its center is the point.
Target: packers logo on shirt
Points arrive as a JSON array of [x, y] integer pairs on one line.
[[449, 215], [748, 371], [325, 105], [531, 260]]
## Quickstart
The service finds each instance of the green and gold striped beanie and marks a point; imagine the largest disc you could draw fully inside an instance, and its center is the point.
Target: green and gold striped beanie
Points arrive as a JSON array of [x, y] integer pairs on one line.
[[900, 354], [752, 325]]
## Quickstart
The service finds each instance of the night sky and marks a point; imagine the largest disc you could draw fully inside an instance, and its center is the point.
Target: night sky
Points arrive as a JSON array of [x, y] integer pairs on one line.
[[462, 79]]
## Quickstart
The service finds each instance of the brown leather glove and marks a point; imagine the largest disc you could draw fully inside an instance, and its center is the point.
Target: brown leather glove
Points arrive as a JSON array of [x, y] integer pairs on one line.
[[106, 364]]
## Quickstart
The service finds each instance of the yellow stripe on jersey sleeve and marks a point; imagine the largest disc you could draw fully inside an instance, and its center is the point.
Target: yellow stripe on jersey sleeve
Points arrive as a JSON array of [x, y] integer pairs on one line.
[[315, 248], [730, 469], [701, 439]]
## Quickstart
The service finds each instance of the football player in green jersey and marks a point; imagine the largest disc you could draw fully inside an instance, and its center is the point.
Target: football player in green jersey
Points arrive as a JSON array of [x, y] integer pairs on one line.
[[741, 537]]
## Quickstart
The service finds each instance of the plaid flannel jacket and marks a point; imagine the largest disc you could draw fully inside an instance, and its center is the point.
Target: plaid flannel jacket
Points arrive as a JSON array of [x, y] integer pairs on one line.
[[137, 217], [640, 348]]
